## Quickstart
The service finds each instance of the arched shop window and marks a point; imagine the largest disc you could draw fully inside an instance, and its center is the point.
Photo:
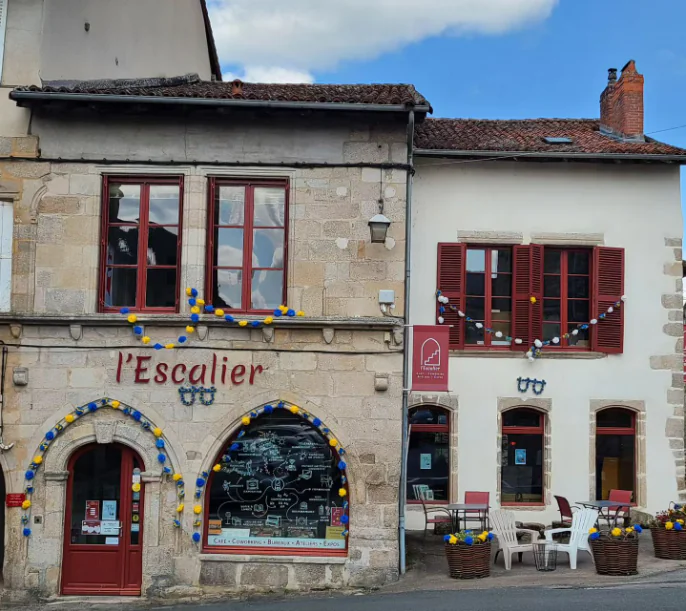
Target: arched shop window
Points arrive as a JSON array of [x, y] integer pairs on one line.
[[521, 471], [278, 492], [428, 459], [615, 451]]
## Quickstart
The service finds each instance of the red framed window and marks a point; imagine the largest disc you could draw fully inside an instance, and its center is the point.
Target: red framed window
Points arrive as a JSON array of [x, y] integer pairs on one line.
[[141, 244], [523, 455], [615, 451], [279, 492], [532, 292], [247, 243], [428, 459]]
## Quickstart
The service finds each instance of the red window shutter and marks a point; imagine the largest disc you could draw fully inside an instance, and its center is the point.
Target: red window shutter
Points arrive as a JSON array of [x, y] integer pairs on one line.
[[451, 283], [527, 317], [608, 287]]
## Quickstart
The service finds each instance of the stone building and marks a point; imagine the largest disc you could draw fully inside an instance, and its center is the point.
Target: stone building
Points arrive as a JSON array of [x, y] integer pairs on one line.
[[153, 444]]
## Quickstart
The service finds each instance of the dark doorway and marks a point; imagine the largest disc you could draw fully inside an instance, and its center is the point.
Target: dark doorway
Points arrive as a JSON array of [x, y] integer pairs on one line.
[[615, 451]]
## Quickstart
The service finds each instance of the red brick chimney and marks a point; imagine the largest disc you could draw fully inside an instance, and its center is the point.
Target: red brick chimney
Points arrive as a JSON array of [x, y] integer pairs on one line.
[[621, 104]]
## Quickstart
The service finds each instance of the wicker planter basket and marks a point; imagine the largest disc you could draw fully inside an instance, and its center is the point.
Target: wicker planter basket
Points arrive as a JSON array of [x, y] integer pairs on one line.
[[615, 556], [669, 544], [469, 561]]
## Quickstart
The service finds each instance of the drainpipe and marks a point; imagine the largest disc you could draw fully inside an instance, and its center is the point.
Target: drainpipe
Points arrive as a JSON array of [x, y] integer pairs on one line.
[[402, 493], [3, 369]]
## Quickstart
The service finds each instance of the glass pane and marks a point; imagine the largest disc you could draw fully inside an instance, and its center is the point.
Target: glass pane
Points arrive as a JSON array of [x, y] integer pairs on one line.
[[577, 286], [522, 469], [615, 464], [501, 308], [551, 262], [476, 260], [120, 287], [231, 208], [162, 245], [577, 311], [428, 466], [228, 285], [161, 288], [474, 336], [501, 260], [615, 417], [501, 286], [229, 247], [550, 330], [504, 328], [96, 494], [164, 205], [125, 203], [280, 489], [428, 415], [581, 339], [476, 284], [551, 309], [578, 262], [122, 245], [267, 248], [522, 417], [267, 289], [551, 286], [475, 308], [270, 206]]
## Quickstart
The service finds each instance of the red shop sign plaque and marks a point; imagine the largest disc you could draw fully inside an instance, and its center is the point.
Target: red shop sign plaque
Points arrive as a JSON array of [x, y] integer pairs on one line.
[[15, 500], [430, 352]]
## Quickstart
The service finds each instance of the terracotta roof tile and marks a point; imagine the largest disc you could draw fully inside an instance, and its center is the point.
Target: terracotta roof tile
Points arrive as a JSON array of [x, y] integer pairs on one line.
[[528, 136]]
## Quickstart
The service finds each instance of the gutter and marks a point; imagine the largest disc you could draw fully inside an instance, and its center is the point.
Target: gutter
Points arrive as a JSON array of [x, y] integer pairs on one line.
[[94, 98], [681, 159]]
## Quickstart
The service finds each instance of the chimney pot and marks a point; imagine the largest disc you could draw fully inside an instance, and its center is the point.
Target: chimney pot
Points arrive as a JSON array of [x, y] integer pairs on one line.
[[237, 87], [621, 103], [611, 76]]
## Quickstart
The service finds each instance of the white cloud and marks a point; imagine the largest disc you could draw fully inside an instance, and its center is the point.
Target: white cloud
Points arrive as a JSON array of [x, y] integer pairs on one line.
[[285, 40], [262, 74]]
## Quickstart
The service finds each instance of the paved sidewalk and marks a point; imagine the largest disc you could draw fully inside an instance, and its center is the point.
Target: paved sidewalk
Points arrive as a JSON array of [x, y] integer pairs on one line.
[[428, 569]]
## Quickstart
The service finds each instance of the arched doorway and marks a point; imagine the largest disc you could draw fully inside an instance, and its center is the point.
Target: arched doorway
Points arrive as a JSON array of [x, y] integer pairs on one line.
[[615, 451], [103, 527]]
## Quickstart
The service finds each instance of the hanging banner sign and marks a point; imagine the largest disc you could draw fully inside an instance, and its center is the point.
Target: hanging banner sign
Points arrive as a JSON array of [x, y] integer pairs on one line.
[[430, 354]]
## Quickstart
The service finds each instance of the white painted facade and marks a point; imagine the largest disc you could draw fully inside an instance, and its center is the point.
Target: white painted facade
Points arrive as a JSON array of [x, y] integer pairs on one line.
[[636, 207]]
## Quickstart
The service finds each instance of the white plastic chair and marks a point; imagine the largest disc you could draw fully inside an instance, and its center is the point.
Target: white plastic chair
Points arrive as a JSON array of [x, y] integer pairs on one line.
[[503, 525], [582, 522]]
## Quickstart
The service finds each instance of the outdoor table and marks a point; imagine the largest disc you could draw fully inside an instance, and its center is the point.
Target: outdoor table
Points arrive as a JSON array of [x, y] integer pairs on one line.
[[606, 506], [457, 508]]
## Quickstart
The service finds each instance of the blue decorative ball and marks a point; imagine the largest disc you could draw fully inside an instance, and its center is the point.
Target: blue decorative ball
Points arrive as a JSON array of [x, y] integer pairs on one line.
[[200, 482], [226, 458], [93, 407], [469, 540], [234, 447], [160, 443], [161, 458], [158, 346], [255, 323], [268, 409], [124, 311], [229, 318], [196, 537], [678, 526], [26, 532], [182, 339], [50, 435], [446, 538], [167, 469], [490, 536], [137, 416], [290, 313], [195, 317], [191, 302], [317, 422], [342, 466], [345, 519], [638, 528], [278, 312], [30, 474], [194, 292], [138, 330]]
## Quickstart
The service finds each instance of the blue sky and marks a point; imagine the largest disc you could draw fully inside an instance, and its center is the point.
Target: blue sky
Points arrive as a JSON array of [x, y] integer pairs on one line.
[[471, 58]]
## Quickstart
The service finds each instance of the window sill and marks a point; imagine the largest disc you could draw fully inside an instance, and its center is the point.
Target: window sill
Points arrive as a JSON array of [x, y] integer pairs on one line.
[[271, 559], [510, 354], [518, 507]]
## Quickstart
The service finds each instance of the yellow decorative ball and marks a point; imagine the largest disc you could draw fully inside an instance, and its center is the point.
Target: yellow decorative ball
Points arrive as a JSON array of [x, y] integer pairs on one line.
[[333, 442], [197, 509], [115, 404], [342, 492], [136, 487], [195, 310], [532, 299], [132, 318], [217, 468], [26, 504], [294, 409], [69, 418], [179, 509], [242, 323], [245, 420], [157, 432], [170, 346], [219, 312], [190, 329], [37, 460], [189, 291], [269, 320], [145, 339], [300, 313], [200, 302], [629, 529], [669, 525], [177, 477], [616, 532], [452, 540], [283, 308], [592, 531]]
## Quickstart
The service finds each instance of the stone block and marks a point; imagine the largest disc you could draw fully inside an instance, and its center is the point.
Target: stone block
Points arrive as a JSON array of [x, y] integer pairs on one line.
[[84, 184], [673, 329], [675, 428], [69, 301], [353, 384], [50, 230], [368, 270], [673, 362], [678, 380], [673, 269], [308, 575], [383, 494], [86, 378], [308, 273], [340, 362], [675, 242], [218, 574], [26, 147], [382, 558], [297, 361], [263, 576], [59, 204], [672, 301]]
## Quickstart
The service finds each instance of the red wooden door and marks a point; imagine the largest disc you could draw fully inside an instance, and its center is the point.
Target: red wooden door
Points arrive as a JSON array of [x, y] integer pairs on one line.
[[103, 528]]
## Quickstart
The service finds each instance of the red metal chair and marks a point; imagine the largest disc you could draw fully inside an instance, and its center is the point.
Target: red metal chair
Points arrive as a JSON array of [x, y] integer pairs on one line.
[[477, 498], [566, 511], [619, 511]]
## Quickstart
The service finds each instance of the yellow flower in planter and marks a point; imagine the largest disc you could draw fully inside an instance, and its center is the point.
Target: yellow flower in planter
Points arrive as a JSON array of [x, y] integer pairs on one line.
[[680, 521], [482, 537], [616, 532], [628, 530], [592, 531], [669, 525], [452, 540]]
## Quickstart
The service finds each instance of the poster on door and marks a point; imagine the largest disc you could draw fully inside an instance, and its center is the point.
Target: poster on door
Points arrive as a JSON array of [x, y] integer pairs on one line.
[[92, 510]]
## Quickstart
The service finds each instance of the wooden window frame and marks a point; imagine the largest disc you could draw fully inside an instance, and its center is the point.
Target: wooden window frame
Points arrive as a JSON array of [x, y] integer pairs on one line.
[[145, 183], [248, 227], [526, 430], [624, 431], [433, 428]]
